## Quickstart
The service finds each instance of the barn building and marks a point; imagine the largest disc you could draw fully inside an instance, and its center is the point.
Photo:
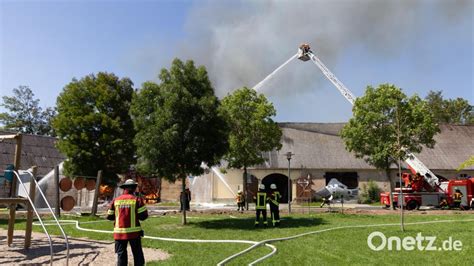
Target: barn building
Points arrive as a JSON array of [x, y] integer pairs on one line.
[[318, 155]]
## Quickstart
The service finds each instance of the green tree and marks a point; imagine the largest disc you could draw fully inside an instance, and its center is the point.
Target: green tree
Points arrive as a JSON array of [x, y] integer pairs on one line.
[[252, 130], [469, 162], [94, 127], [450, 111], [177, 123], [385, 124], [24, 113]]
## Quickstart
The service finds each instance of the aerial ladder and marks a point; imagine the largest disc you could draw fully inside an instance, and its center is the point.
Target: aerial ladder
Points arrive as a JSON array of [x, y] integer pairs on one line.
[[415, 165]]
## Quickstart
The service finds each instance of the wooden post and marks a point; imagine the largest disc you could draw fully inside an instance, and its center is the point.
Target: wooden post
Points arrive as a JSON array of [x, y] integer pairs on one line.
[[57, 209], [96, 194], [11, 220], [11, 223], [29, 214], [17, 163]]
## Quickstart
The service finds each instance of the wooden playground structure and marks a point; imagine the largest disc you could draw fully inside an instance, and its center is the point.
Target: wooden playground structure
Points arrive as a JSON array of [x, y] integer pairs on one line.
[[12, 201]]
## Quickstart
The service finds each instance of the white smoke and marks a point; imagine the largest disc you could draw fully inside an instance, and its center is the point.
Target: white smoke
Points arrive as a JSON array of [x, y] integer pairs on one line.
[[240, 42]]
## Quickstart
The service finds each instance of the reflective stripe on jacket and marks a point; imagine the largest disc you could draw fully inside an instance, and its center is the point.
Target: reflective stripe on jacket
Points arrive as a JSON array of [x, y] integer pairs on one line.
[[275, 198], [261, 201], [126, 211], [457, 197]]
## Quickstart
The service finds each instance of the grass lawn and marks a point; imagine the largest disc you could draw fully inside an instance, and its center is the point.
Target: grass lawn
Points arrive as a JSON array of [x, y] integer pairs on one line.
[[343, 246]]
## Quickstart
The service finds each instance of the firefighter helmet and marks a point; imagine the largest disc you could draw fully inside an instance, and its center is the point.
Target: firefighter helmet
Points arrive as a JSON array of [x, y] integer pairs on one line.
[[273, 186], [129, 183], [261, 186]]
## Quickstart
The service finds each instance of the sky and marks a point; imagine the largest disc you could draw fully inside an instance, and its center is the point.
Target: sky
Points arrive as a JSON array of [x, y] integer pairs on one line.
[[418, 45]]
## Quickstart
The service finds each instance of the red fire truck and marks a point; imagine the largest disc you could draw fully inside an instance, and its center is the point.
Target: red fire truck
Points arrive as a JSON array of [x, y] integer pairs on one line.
[[416, 193], [423, 187]]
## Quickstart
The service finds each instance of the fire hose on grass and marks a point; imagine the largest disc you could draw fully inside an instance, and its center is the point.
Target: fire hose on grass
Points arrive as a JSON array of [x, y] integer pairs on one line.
[[78, 227], [266, 242], [228, 259]]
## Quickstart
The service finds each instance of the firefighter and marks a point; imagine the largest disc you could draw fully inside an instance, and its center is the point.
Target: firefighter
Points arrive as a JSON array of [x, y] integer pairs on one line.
[[126, 210], [326, 201], [457, 197], [274, 202], [443, 204], [184, 199], [261, 206], [240, 201]]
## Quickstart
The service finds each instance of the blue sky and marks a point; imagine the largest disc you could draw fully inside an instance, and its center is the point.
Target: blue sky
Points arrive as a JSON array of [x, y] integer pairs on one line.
[[417, 45]]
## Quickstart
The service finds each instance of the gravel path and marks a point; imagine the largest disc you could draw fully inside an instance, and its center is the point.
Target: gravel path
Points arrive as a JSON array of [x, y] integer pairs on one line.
[[82, 251]]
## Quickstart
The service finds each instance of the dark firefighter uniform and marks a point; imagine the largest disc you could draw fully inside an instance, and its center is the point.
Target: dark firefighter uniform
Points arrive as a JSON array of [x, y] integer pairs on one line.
[[261, 206], [457, 198], [274, 201], [127, 210]]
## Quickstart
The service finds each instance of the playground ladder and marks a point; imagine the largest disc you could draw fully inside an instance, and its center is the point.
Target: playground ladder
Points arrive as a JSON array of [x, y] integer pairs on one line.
[[32, 179]]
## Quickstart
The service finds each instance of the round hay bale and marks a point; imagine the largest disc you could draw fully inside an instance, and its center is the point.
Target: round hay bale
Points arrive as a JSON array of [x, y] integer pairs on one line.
[[67, 203], [79, 183], [65, 184], [90, 184]]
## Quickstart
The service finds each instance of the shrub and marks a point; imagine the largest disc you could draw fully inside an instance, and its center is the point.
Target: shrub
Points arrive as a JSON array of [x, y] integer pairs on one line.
[[370, 193]]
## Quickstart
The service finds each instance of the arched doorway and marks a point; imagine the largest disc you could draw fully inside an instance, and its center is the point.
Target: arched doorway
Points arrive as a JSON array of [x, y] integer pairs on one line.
[[281, 181]]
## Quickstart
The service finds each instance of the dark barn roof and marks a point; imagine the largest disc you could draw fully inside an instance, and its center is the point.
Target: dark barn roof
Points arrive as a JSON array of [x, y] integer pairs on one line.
[[36, 150], [315, 146], [319, 146]]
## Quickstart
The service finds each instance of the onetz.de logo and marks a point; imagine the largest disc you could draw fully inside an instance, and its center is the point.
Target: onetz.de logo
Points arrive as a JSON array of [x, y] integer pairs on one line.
[[377, 241]]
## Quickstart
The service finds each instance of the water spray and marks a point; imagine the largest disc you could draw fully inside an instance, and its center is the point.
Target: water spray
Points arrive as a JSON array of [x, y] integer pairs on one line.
[[260, 84]]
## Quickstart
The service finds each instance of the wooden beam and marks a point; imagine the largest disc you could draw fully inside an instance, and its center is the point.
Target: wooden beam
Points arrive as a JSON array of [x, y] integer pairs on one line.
[[11, 220], [56, 185], [29, 214], [11, 224], [2, 137], [96, 194], [13, 200], [19, 140], [17, 163]]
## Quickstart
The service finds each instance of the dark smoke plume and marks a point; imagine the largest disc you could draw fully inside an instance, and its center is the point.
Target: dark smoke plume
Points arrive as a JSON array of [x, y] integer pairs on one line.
[[240, 42]]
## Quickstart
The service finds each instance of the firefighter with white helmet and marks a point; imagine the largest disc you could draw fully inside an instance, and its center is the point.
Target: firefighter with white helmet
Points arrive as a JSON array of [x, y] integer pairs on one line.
[[274, 201], [127, 211], [261, 205], [240, 201]]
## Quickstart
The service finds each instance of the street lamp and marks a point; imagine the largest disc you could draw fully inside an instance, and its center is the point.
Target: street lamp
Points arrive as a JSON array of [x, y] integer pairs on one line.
[[288, 157]]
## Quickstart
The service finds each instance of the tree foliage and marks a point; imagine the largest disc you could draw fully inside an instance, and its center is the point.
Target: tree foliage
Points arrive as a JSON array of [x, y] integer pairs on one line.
[[252, 129], [468, 163], [94, 126], [372, 131], [24, 113], [177, 123], [449, 111]]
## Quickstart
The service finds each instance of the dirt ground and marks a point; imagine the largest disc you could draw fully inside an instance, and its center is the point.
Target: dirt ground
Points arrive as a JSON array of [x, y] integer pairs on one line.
[[81, 251], [315, 210]]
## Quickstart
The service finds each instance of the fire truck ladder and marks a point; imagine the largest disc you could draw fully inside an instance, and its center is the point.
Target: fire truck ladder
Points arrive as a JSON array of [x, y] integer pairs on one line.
[[305, 54]]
